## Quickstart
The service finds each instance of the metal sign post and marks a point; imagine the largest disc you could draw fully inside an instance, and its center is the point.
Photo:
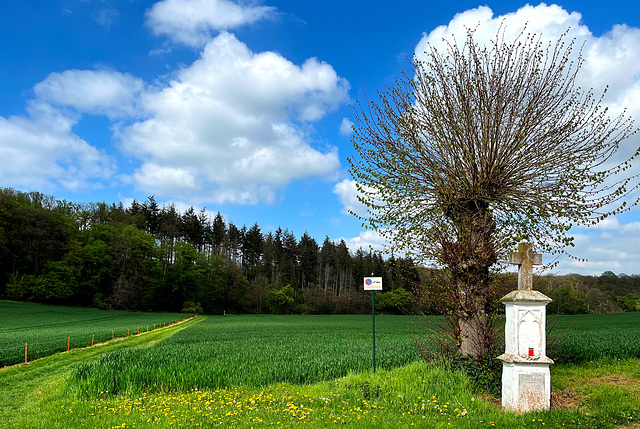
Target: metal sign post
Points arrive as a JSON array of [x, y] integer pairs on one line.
[[373, 284]]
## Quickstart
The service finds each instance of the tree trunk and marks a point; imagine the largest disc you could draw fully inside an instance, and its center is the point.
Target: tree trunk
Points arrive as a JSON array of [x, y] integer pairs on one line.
[[474, 328], [469, 257]]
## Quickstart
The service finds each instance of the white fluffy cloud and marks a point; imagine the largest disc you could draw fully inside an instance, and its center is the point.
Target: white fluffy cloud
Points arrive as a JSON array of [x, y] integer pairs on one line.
[[347, 193], [191, 21], [366, 240], [346, 127], [98, 92], [41, 152], [611, 60], [233, 127], [233, 122], [613, 247], [549, 21]]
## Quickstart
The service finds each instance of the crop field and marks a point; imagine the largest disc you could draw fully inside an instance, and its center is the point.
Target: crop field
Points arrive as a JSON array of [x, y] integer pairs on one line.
[[588, 337], [252, 350], [260, 350], [282, 371], [50, 329]]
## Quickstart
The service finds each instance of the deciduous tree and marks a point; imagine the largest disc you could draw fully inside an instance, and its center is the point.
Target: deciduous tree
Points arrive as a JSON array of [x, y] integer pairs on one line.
[[481, 146]]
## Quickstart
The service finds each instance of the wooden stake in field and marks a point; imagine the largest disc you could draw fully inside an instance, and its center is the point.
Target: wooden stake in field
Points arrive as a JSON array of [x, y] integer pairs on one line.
[[25, 352], [68, 344], [113, 334], [138, 330], [147, 328], [93, 337]]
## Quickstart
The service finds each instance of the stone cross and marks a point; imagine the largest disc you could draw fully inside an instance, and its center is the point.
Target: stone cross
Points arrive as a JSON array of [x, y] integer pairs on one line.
[[525, 259], [526, 379]]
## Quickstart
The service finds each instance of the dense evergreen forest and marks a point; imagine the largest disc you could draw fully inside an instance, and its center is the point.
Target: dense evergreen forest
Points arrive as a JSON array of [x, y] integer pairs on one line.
[[146, 257]]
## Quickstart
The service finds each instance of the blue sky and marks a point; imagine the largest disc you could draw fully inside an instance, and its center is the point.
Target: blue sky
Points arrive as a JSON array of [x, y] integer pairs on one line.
[[244, 107]]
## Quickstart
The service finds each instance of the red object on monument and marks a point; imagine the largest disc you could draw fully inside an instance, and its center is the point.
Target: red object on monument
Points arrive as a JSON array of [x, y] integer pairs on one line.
[[530, 351]]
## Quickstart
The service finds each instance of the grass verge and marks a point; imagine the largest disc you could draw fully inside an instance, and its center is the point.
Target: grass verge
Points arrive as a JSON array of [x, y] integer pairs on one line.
[[30, 391]]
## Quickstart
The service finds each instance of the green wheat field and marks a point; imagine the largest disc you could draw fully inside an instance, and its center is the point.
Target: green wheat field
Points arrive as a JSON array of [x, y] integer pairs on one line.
[[286, 371]]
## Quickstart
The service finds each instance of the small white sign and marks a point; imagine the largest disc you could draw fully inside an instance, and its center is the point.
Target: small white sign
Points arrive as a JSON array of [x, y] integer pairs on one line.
[[373, 283]]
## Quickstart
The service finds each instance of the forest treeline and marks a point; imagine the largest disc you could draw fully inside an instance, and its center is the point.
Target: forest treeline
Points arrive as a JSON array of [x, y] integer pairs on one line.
[[146, 257]]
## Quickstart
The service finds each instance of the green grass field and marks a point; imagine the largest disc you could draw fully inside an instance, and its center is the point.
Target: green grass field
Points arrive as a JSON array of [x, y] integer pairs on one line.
[[310, 371], [50, 329], [588, 337], [253, 350]]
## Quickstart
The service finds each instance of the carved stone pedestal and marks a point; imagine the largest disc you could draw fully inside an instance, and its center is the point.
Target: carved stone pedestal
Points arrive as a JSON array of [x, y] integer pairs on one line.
[[526, 384]]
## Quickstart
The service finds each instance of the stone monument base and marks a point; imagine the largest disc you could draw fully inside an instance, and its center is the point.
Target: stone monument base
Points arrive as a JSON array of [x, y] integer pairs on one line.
[[526, 383]]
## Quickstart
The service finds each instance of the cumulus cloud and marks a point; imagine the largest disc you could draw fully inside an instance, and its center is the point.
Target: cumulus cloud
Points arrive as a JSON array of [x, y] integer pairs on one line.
[[233, 127], [41, 152], [233, 122], [346, 127], [366, 240], [347, 193], [615, 250], [549, 21], [611, 60], [191, 22], [105, 92]]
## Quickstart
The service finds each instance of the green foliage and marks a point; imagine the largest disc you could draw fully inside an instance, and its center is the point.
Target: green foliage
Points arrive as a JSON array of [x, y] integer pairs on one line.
[[17, 287], [280, 301], [629, 302], [485, 372], [566, 301], [147, 257], [192, 307], [398, 301], [58, 283]]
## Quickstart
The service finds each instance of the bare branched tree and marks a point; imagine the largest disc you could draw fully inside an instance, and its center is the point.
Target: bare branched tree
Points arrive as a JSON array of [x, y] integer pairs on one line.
[[480, 147]]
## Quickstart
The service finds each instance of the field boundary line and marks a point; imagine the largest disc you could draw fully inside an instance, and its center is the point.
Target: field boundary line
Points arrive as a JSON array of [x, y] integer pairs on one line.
[[134, 335], [102, 343]]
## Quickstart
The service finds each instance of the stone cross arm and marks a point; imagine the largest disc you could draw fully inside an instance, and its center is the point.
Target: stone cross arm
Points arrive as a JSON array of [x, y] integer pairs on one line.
[[525, 259]]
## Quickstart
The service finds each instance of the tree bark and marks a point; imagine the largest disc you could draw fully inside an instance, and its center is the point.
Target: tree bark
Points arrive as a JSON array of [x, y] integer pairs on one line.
[[473, 330], [469, 257]]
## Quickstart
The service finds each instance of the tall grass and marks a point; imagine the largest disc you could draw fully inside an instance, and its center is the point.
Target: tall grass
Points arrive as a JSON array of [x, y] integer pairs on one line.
[[259, 350], [251, 350]]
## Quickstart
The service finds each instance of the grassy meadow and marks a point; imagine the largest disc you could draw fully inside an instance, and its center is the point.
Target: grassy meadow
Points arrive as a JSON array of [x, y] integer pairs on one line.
[[311, 371], [48, 329]]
